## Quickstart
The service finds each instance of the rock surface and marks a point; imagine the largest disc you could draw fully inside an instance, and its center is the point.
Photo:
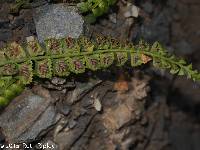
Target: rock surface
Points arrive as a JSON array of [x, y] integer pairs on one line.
[[26, 117], [57, 21]]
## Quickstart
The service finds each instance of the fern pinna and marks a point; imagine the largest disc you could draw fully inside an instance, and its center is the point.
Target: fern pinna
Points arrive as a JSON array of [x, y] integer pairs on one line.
[[61, 57]]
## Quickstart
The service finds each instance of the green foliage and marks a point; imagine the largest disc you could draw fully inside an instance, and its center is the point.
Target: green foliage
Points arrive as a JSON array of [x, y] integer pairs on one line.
[[106, 59], [94, 8], [93, 62], [9, 88], [20, 4], [43, 68], [91, 8], [121, 58], [34, 49], [60, 67], [26, 72], [62, 57], [76, 64]]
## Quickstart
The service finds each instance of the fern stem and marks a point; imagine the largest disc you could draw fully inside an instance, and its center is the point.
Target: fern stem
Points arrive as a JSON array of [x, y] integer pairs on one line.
[[101, 51]]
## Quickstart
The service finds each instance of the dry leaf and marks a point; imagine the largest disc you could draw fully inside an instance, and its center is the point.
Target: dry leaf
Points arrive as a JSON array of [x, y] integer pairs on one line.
[[121, 84], [145, 58]]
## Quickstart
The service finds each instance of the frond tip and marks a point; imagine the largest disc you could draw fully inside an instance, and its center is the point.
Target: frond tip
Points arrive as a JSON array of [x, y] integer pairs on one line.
[[162, 59]]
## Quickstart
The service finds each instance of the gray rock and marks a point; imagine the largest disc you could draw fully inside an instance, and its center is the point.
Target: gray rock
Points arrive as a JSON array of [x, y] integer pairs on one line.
[[2, 138], [157, 29], [66, 139], [64, 109], [80, 90], [184, 48], [58, 81], [26, 117], [4, 11], [8, 1], [172, 3], [17, 23], [72, 124], [46, 120], [57, 20], [2, 44], [148, 7], [59, 84], [4, 23], [5, 34], [37, 3]]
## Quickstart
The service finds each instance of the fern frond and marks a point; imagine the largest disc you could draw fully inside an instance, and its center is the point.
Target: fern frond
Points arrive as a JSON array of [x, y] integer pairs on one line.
[[60, 67], [106, 59], [93, 62], [26, 72], [43, 68], [65, 56], [15, 51], [2, 56], [8, 69], [34, 48], [53, 46], [71, 45], [76, 64], [136, 59], [121, 58], [162, 59]]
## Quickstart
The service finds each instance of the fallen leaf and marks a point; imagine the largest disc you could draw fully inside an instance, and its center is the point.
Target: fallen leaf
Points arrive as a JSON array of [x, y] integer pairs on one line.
[[145, 58], [121, 84]]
